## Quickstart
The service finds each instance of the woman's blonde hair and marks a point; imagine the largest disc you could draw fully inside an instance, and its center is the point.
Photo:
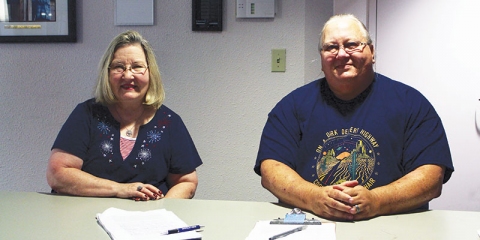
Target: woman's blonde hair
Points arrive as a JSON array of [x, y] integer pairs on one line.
[[103, 91]]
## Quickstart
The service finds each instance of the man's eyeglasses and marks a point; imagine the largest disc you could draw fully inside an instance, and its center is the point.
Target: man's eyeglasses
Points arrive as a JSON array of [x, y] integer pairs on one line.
[[349, 47], [136, 69]]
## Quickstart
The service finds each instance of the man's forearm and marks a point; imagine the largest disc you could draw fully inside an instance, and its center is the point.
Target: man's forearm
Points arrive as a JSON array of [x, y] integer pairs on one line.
[[411, 191]]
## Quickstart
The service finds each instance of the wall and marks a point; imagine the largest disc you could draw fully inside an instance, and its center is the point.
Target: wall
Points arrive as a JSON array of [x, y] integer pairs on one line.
[[355, 7], [220, 83]]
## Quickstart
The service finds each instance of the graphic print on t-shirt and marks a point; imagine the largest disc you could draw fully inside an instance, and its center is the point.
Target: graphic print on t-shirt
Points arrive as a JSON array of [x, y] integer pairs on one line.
[[344, 156]]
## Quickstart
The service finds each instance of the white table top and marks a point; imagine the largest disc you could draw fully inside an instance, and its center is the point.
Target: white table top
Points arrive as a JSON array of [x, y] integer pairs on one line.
[[30, 215]]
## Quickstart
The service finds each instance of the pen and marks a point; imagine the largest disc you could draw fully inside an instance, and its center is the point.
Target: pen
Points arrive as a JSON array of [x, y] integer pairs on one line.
[[288, 233], [183, 229]]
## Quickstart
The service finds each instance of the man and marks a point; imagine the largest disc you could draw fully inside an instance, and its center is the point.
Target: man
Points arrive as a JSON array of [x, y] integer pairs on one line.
[[355, 144]]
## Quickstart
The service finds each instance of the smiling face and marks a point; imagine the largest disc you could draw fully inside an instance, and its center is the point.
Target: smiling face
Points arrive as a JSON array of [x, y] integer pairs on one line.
[[126, 86], [347, 74]]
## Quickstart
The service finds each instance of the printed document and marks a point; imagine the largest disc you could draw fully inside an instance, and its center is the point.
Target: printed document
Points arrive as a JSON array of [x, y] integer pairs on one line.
[[128, 225]]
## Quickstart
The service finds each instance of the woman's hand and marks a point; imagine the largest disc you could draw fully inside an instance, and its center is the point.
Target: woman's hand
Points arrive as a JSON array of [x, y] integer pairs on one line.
[[139, 191]]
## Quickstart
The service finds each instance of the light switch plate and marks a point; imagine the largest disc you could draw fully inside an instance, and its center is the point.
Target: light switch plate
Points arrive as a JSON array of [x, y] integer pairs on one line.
[[279, 60], [134, 12]]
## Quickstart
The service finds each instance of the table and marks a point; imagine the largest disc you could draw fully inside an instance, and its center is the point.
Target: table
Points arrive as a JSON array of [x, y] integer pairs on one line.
[[31, 215]]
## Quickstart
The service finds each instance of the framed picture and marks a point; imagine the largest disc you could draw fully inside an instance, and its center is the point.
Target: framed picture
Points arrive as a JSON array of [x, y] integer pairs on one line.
[[38, 21]]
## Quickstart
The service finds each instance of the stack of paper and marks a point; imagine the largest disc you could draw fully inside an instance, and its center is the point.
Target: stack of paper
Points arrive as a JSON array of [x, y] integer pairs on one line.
[[129, 225], [263, 230]]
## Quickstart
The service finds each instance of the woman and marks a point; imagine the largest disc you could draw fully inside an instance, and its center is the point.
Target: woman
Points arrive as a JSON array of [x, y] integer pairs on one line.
[[124, 143]]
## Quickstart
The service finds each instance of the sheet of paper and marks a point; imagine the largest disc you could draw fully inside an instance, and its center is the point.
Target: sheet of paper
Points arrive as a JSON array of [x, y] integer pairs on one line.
[[263, 230], [127, 225]]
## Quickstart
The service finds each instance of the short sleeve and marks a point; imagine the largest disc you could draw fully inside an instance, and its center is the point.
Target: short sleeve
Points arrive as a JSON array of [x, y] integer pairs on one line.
[[74, 134], [425, 137], [281, 135], [184, 155]]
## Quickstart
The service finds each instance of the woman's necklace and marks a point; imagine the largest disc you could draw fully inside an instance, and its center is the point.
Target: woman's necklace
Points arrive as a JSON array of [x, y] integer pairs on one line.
[[129, 132]]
